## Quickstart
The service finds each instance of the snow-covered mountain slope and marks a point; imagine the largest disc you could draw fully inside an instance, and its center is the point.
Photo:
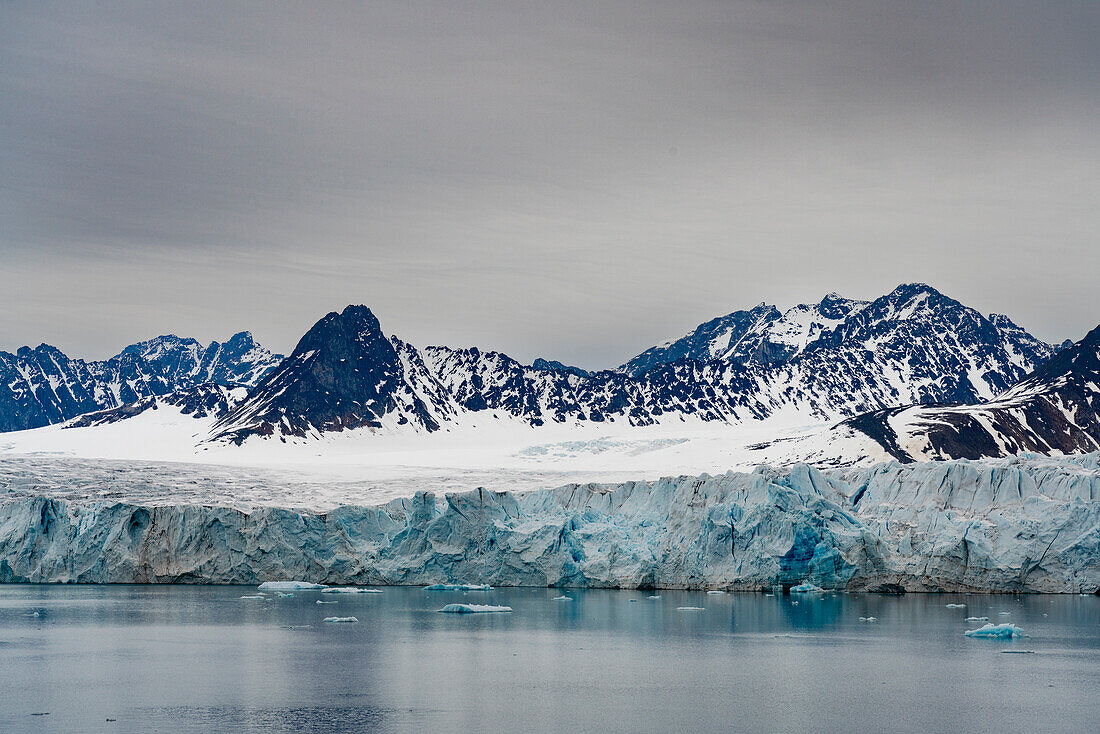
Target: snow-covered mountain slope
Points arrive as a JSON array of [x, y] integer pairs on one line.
[[43, 386], [1054, 410], [206, 400], [1024, 525], [912, 346], [921, 345]]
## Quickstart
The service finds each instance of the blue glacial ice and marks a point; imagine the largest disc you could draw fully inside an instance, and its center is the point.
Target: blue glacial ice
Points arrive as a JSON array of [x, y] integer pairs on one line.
[[998, 631], [806, 588], [1028, 524]]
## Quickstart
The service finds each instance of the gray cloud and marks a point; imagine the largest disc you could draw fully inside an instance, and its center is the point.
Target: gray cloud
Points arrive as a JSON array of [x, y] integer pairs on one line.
[[549, 179]]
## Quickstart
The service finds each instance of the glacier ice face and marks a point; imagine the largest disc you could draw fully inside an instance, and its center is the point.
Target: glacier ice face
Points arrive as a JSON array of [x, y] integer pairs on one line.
[[1027, 524]]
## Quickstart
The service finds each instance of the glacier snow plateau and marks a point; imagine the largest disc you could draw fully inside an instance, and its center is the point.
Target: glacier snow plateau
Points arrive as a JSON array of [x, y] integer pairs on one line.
[[1026, 524]]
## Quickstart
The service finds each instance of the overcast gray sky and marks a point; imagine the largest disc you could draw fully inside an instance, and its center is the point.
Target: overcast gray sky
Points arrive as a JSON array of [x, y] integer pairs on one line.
[[548, 179]]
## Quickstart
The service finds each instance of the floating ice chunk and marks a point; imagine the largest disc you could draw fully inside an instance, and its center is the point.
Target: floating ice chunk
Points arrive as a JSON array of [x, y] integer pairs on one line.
[[458, 587], [998, 631], [868, 619], [715, 592], [977, 619], [806, 588], [655, 596], [349, 590], [325, 602], [562, 598], [33, 614], [956, 606], [290, 586], [1004, 614], [340, 620], [690, 609], [769, 594], [473, 608], [254, 596]]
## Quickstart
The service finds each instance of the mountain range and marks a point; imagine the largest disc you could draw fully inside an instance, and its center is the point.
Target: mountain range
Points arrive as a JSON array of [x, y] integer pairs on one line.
[[42, 386], [859, 363]]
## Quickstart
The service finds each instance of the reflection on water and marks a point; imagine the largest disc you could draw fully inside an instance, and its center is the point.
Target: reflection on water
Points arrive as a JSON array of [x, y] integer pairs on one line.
[[169, 658]]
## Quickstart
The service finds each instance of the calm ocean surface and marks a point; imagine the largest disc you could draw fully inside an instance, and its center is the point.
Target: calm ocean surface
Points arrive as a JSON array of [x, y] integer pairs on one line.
[[201, 659]]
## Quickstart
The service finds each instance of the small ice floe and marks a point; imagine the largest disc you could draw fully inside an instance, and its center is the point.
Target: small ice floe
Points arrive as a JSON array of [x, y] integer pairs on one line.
[[956, 606], [655, 596], [806, 588], [458, 587], [254, 596], [340, 620], [690, 609], [996, 631], [1004, 614], [562, 598], [769, 594], [715, 592], [473, 608], [281, 595], [290, 586], [868, 619], [977, 619], [35, 613], [325, 602], [349, 590]]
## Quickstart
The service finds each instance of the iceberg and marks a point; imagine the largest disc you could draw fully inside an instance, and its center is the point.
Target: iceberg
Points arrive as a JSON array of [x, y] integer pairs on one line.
[[340, 620], [655, 596], [691, 609], [562, 598], [473, 608], [977, 619], [458, 587], [955, 606], [325, 602], [996, 631], [806, 588], [254, 596], [349, 590], [715, 592], [868, 619], [289, 586]]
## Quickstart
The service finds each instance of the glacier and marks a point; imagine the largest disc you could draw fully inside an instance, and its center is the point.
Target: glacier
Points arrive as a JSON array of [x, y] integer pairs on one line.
[[1024, 524]]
